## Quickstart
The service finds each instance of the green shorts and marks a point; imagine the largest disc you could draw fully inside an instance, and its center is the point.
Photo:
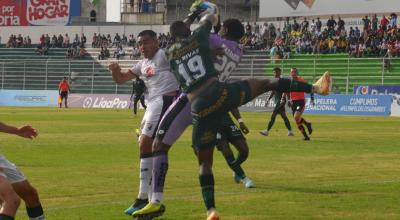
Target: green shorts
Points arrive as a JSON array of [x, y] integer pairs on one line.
[[209, 108], [229, 131]]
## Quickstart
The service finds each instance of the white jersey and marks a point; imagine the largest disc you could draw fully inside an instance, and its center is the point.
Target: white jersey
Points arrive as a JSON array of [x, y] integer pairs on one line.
[[157, 76]]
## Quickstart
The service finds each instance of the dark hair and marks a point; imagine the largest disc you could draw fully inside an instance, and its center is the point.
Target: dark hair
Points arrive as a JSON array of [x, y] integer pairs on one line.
[[277, 69], [235, 28], [179, 29], [149, 33]]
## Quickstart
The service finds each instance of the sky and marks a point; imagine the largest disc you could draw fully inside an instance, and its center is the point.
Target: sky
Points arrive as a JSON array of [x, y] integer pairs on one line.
[[113, 10]]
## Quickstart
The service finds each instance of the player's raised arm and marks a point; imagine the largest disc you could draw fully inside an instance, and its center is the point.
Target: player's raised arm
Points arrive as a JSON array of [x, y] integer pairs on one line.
[[118, 76]]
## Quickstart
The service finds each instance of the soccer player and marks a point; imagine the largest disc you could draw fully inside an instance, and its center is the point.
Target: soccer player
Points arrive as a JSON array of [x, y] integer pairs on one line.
[[138, 88], [178, 117], [280, 101], [210, 99], [14, 185], [63, 90], [161, 87], [298, 104]]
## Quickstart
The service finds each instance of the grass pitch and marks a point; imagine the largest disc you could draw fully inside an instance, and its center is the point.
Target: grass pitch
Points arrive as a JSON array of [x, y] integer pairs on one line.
[[85, 165]]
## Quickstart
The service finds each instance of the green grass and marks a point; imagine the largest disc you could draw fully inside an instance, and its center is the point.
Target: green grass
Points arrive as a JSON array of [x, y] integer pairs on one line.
[[85, 166]]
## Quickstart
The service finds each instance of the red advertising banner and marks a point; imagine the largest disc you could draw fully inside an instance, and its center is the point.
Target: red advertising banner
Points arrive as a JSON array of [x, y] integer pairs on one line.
[[12, 13], [34, 12]]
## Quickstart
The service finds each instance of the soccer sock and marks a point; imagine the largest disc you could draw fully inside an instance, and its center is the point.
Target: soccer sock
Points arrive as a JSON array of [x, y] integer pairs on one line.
[[6, 217], [35, 213], [207, 190], [146, 168], [271, 123], [302, 130], [235, 165], [287, 123], [288, 85], [160, 169]]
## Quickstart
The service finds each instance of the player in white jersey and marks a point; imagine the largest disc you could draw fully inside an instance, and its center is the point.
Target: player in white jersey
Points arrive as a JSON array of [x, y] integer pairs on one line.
[[14, 185], [162, 88]]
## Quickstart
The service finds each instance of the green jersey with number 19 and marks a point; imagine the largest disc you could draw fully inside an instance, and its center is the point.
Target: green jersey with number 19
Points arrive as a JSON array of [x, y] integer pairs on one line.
[[191, 60]]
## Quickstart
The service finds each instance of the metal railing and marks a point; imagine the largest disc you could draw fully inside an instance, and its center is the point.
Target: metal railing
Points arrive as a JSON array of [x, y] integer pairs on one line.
[[88, 76]]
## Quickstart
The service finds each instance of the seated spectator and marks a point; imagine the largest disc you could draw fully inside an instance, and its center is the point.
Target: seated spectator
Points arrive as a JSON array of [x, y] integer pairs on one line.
[[76, 41], [135, 53], [54, 42], [119, 52], [42, 50], [132, 41], [117, 40], [69, 53], [83, 41], [66, 41], [124, 40], [82, 53]]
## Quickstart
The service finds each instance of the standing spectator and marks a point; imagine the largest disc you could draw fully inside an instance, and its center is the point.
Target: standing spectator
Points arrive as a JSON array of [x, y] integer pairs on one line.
[[117, 40], [60, 41], [76, 41], [384, 23], [331, 24], [135, 53], [14, 185], [313, 26], [47, 41], [295, 26], [374, 23], [393, 20], [42, 40], [340, 24], [29, 41], [304, 25], [63, 90], [83, 40], [318, 24], [54, 41], [248, 29], [366, 23], [95, 41], [124, 40], [66, 41]]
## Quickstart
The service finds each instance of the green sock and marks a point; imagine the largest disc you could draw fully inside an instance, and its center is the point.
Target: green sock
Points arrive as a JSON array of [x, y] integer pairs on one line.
[[207, 190]]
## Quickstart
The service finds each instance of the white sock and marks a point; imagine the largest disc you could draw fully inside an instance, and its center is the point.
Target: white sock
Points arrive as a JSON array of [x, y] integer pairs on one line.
[[38, 218], [157, 197], [146, 169]]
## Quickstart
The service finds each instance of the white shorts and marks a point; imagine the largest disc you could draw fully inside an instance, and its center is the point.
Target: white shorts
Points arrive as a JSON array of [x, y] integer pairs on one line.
[[154, 112], [10, 171]]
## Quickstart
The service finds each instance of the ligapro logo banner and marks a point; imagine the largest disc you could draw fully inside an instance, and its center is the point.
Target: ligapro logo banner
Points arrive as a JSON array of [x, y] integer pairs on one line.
[[34, 12], [99, 101]]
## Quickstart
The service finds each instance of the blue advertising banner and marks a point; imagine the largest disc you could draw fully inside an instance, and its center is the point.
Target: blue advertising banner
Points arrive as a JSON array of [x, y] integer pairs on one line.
[[393, 91], [373, 105], [28, 98], [75, 8]]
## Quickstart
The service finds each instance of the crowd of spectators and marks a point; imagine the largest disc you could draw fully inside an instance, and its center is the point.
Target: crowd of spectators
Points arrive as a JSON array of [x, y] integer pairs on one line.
[[377, 37], [15, 41]]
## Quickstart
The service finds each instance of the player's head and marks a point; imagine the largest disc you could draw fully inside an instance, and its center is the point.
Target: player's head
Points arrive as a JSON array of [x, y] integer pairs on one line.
[[277, 72], [179, 29], [232, 29], [65, 78], [148, 43], [294, 72]]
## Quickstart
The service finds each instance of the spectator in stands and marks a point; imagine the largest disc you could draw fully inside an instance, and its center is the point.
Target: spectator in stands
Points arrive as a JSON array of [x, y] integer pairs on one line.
[[19, 40], [82, 53], [69, 53], [340, 24], [60, 41], [366, 23], [304, 25], [95, 41], [63, 90], [54, 41], [77, 41], [374, 23], [331, 24], [393, 20], [295, 26], [135, 53], [42, 50], [318, 24], [124, 40], [66, 41], [248, 29], [83, 40], [132, 41], [117, 40], [47, 41], [384, 23], [42, 40], [119, 52], [101, 54]]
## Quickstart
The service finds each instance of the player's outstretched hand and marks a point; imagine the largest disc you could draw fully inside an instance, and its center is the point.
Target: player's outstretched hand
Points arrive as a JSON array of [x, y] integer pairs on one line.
[[27, 131], [114, 67], [244, 128]]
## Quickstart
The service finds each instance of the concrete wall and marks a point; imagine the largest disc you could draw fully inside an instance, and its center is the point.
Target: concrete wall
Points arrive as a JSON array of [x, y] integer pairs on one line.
[[100, 8]]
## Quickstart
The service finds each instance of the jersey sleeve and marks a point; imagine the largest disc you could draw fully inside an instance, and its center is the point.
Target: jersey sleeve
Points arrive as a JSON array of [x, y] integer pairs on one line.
[[203, 31], [137, 68]]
